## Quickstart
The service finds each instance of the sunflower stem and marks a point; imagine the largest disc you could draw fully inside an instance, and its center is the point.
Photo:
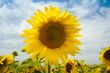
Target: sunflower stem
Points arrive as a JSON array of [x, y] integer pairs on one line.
[[48, 68]]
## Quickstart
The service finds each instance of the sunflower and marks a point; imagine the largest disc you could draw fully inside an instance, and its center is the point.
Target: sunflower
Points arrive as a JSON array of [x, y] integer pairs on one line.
[[105, 56], [70, 66], [7, 59], [53, 35], [98, 70]]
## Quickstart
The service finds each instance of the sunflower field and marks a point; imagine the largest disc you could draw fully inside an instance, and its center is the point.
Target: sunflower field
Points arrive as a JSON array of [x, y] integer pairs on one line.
[[9, 65], [53, 35]]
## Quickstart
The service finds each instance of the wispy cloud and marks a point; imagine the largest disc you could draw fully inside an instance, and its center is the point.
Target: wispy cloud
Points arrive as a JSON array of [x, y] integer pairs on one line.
[[93, 17]]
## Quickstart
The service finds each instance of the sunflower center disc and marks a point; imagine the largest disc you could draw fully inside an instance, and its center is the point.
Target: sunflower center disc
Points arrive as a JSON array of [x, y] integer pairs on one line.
[[52, 35], [68, 67], [107, 55]]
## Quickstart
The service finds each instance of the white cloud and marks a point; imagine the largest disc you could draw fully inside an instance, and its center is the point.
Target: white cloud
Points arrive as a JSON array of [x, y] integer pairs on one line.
[[86, 7]]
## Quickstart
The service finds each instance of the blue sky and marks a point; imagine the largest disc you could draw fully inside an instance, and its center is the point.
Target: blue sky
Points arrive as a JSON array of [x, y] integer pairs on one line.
[[93, 15]]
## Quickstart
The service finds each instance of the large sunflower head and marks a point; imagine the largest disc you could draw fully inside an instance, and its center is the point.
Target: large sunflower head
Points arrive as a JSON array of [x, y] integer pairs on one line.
[[105, 56], [53, 35]]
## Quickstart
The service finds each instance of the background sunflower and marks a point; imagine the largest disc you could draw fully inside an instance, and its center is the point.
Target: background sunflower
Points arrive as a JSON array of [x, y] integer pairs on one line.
[[105, 56]]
